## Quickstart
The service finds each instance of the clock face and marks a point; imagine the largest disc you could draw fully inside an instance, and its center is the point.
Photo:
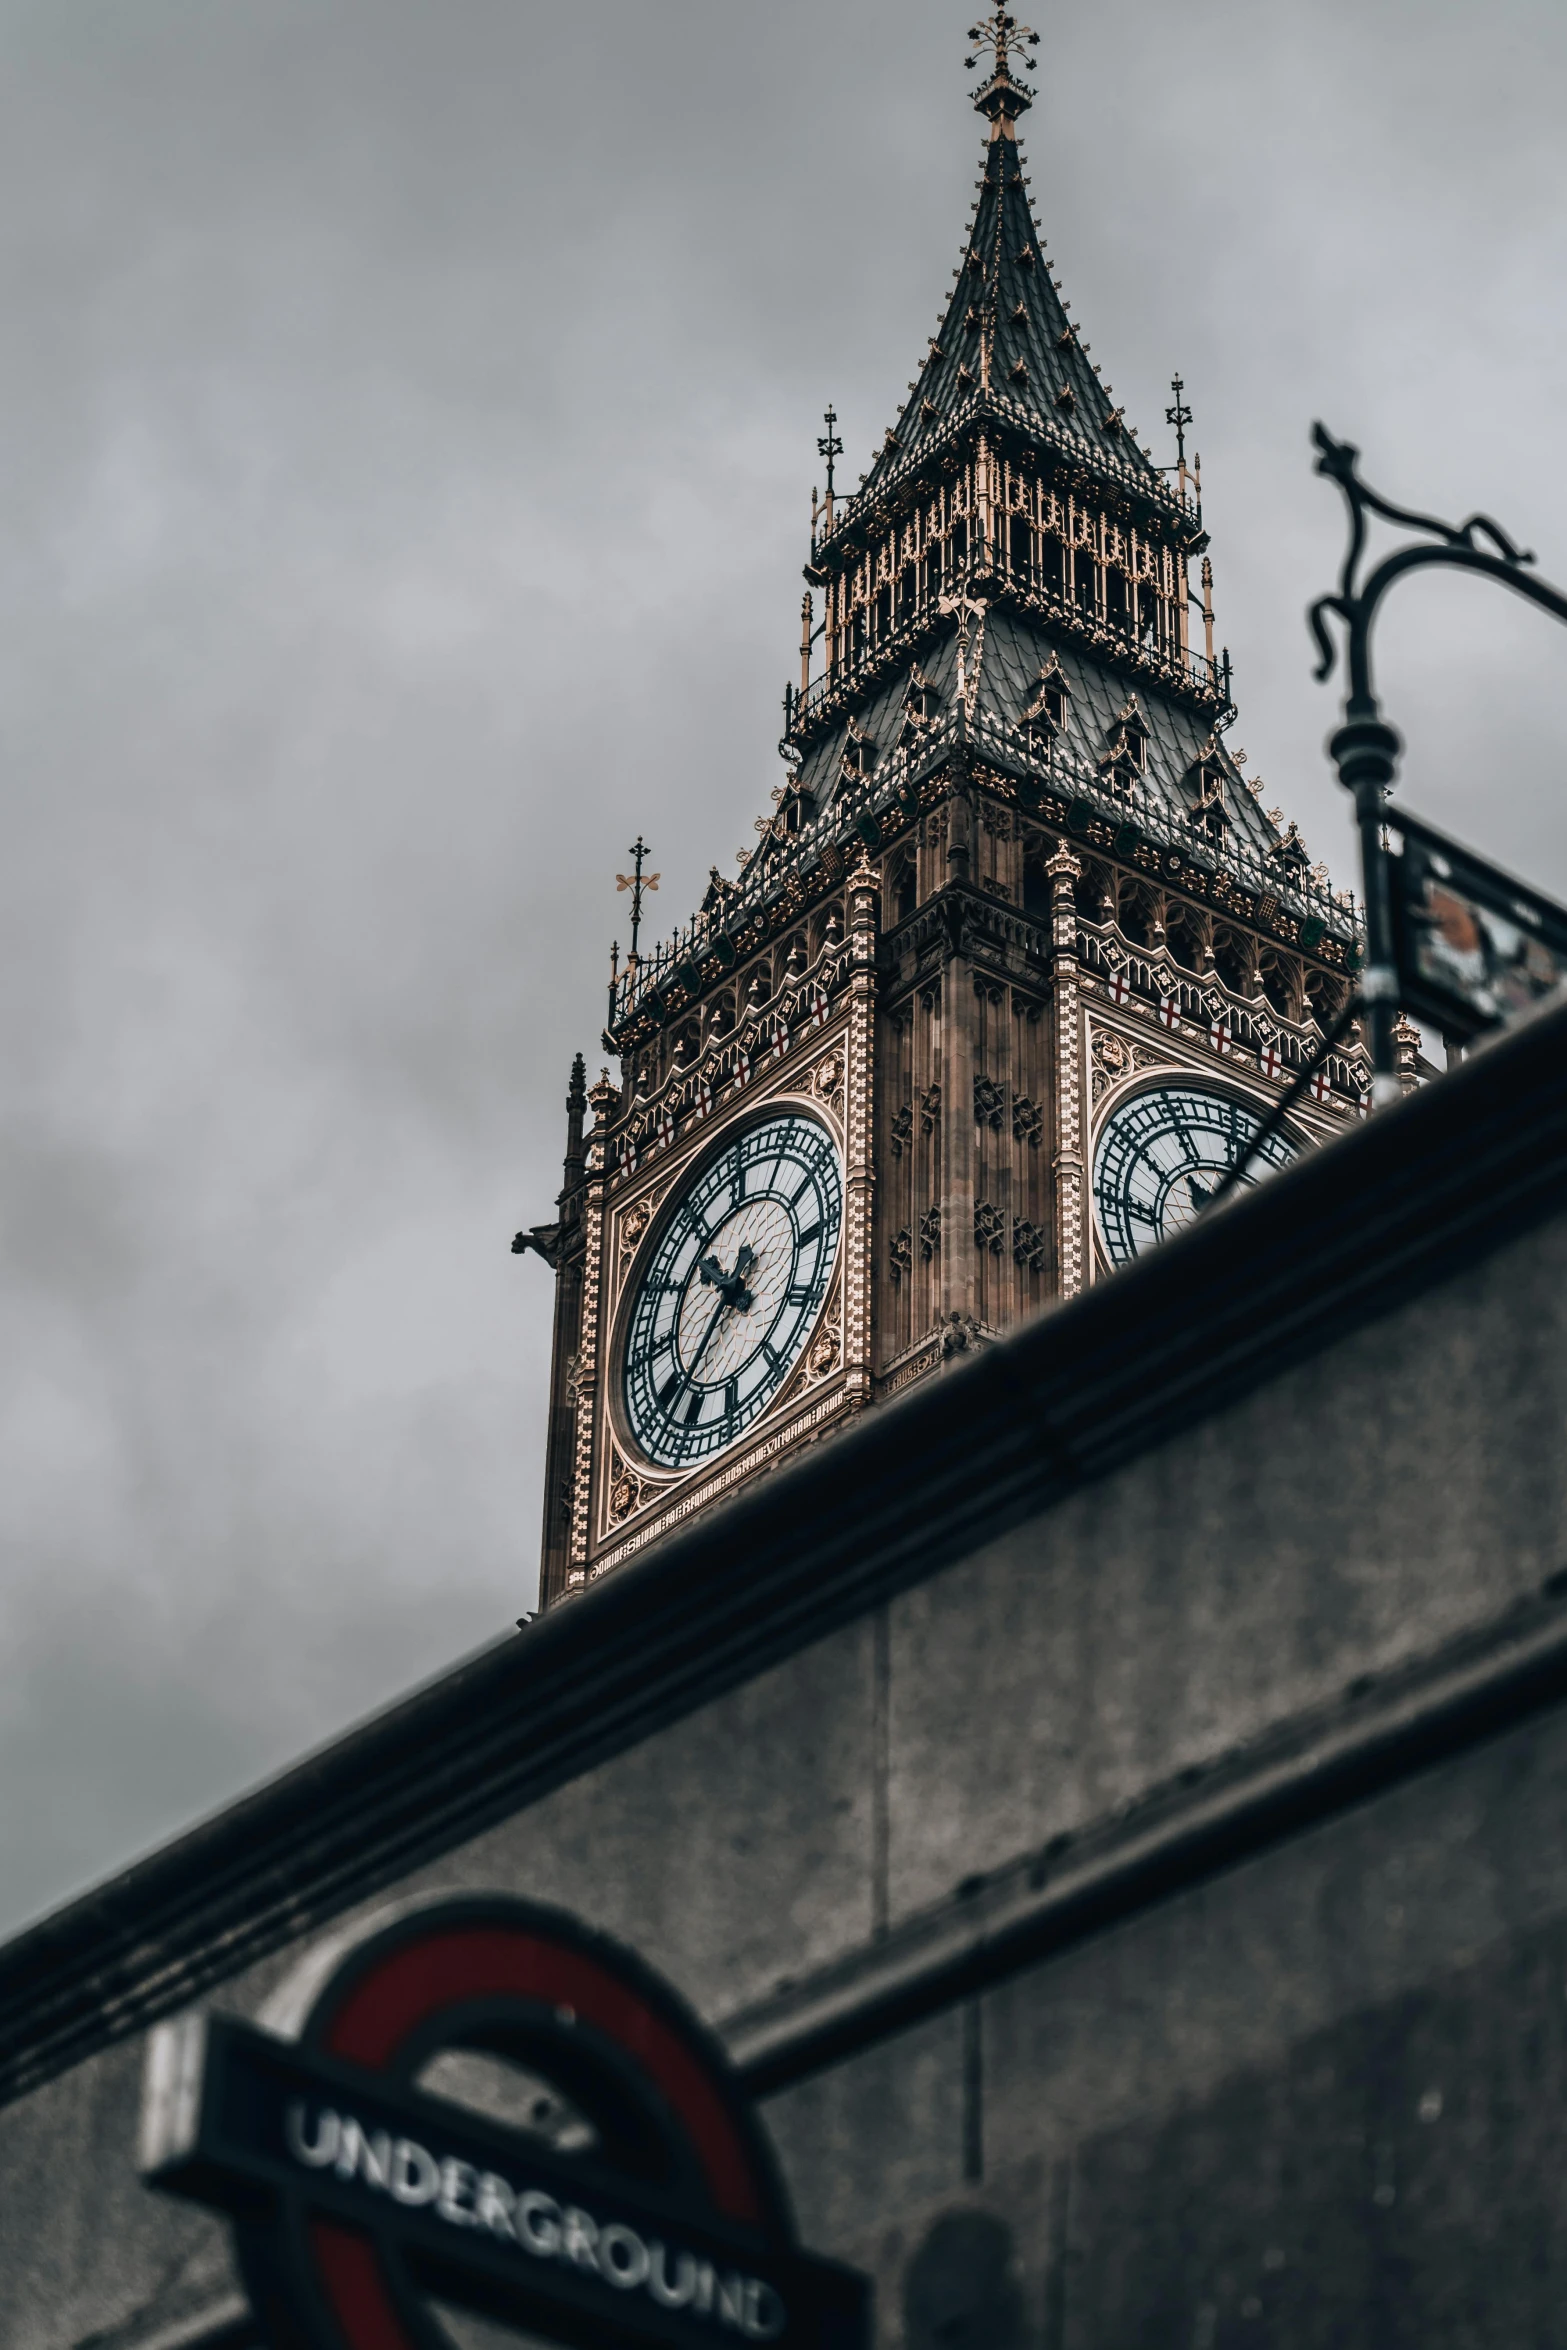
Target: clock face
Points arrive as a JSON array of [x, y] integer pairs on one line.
[[1161, 1156], [724, 1306]]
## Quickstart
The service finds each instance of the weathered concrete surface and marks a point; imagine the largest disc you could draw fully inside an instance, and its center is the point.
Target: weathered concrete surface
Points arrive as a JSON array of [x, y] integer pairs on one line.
[[1243, 2070], [1331, 2083]]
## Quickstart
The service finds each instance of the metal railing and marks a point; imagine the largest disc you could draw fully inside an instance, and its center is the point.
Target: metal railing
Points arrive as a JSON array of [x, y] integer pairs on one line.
[[855, 668], [1015, 415], [860, 812]]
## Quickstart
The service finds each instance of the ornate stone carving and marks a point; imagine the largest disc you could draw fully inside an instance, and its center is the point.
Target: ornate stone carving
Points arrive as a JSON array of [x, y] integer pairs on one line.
[[826, 1348], [827, 1078], [930, 1109], [626, 1490], [989, 1227], [960, 1334], [900, 1252], [633, 1224], [901, 1129], [1030, 1242], [930, 1232], [990, 1102], [1028, 1121], [1113, 1057]]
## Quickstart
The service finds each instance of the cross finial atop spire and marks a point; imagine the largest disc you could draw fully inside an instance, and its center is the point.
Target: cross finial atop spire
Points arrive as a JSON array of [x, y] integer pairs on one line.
[[637, 882], [1002, 98]]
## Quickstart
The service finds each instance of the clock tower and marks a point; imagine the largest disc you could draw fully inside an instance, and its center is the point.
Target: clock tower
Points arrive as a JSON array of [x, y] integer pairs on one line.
[[1017, 969]]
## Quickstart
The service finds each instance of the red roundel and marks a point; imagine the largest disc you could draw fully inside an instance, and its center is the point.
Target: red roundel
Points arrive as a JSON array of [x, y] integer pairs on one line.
[[530, 1985]]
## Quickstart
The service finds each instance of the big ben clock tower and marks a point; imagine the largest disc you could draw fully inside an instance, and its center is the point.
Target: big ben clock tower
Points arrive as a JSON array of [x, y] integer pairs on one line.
[[1016, 971]]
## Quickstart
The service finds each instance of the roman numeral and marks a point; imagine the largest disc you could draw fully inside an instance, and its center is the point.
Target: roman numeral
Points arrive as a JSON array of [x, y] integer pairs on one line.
[[800, 1294], [731, 1399], [808, 1234], [671, 1387], [694, 1407]]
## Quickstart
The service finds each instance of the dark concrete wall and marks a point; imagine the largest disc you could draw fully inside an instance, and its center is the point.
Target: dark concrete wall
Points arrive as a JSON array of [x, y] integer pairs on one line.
[[1312, 2095], [1320, 2099]]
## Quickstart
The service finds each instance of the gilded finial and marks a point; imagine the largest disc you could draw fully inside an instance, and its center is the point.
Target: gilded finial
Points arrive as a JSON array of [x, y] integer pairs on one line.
[[1002, 98], [637, 882]]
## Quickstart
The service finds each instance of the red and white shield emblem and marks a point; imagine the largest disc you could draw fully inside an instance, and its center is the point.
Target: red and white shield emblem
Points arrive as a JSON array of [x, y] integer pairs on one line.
[[1220, 1037], [703, 1096], [1365, 1102], [819, 1007], [1268, 1061], [664, 1131], [1170, 1010], [628, 1153], [1117, 987], [1321, 1086], [779, 1041], [742, 1071]]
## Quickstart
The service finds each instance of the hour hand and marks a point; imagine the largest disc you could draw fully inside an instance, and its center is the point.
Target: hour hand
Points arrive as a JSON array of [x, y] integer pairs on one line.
[[712, 1272], [744, 1261]]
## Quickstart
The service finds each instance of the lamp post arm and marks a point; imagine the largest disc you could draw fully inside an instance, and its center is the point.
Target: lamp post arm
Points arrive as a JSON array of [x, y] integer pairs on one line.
[[1364, 748]]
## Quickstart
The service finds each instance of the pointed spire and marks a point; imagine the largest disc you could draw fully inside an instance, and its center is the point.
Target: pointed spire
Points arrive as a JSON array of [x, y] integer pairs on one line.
[[1007, 349]]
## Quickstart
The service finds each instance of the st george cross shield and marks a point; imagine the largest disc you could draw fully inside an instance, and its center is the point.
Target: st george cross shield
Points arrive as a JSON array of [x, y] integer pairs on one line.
[[1321, 1086], [779, 1039], [1117, 987], [1268, 1061], [664, 1131], [819, 1007], [742, 1068], [1219, 1036], [1170, 1010], [703, 1097], [629, 1153]]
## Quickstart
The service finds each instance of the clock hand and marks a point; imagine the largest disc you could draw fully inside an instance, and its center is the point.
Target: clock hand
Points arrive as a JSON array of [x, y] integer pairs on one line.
[[691, 1367], [731, 1286]]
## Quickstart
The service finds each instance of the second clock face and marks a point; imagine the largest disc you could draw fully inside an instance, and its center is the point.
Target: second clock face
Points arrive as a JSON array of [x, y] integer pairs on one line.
[[726, 1302], [1162, 1155]]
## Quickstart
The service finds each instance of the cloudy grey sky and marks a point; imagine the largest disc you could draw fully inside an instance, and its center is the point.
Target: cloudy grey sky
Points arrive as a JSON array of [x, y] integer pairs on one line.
[[407, 418]]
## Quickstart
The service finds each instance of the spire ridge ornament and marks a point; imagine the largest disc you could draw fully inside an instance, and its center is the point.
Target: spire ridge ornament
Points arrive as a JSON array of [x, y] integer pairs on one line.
[[1180, 416], [1002, 99]]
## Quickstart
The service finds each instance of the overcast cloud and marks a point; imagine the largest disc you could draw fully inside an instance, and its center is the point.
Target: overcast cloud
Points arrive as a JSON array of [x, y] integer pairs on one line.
[[407, 420]]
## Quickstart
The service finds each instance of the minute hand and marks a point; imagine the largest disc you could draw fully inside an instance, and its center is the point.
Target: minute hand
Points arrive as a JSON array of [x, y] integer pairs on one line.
[[716, 1317]]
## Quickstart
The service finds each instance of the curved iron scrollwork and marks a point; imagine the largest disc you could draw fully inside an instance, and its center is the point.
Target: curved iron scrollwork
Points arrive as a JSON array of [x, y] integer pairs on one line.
[[1365, 749]]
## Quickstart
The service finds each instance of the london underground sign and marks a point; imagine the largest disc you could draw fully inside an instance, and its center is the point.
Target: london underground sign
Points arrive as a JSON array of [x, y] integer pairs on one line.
[[361, 2199]]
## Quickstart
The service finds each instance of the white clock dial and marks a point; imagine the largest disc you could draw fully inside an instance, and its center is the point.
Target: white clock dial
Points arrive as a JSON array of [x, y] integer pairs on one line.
[[737, 1276], [1162, 1155]]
